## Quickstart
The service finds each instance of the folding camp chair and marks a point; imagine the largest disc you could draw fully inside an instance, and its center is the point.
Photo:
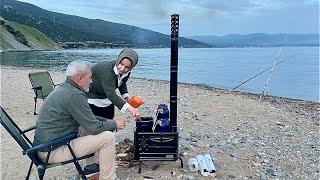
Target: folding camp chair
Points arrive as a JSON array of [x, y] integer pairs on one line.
[[42, 85], [26, 145]]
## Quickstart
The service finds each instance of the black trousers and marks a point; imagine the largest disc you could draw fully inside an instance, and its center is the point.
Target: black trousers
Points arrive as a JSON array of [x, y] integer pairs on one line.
[[105, 112]]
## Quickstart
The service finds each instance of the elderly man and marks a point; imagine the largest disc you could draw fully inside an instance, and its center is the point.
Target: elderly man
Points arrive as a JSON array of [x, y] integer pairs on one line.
[[64, 110]]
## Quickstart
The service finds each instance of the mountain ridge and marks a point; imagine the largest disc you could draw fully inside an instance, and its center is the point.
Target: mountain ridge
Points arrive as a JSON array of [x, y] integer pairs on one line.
[[71, 31], [70, 28], [259, 40]]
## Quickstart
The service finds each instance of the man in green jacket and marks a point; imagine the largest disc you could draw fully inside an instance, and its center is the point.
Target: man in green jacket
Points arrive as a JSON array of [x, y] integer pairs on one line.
[[65, 109], [107, 78]]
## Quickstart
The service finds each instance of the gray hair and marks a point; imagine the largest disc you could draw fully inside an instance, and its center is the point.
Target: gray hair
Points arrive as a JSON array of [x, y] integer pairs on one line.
[[77, 67]]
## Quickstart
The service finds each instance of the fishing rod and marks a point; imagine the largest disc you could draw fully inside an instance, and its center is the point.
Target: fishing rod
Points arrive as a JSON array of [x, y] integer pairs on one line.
[[264, 92], [260, 73]]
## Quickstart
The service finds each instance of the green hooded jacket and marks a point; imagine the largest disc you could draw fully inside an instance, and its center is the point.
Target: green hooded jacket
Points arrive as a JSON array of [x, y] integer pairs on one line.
[[105, 81]]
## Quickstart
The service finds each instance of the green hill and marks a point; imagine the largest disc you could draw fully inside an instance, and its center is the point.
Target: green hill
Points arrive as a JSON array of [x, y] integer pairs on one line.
[[18, 37], [74, 31]]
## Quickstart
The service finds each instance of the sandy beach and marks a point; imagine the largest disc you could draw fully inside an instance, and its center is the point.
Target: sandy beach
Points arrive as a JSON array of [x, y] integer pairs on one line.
[[277, 138]]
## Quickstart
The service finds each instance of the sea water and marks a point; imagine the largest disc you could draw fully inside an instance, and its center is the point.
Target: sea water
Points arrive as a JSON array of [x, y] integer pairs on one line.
[[297, 77]]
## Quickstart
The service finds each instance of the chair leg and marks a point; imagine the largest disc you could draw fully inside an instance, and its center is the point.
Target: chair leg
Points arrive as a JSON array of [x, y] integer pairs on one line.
[[42, 168], [35, 105], [29, 171], [76, 163], [79, 169], [41, 172]]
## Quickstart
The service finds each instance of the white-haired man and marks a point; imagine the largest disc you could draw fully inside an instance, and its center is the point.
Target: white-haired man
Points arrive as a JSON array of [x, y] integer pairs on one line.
[[65, 109]]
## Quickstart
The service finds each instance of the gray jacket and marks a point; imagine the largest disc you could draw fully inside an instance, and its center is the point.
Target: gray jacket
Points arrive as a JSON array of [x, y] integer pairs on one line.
[[63, 111]]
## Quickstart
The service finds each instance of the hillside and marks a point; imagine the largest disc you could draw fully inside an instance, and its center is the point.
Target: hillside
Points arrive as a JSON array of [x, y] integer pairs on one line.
[[18, 37], [259, 40], [64, 28]]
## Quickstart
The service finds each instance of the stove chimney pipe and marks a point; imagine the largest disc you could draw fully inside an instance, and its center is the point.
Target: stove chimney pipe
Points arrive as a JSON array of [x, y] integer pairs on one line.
[[174, 71]]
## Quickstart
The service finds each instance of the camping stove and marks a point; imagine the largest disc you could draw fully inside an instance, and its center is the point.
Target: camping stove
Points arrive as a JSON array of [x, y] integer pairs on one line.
[[158, 140]]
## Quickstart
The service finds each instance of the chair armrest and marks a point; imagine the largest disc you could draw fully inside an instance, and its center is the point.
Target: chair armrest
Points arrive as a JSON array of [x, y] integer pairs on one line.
[[63, 140], [29, 129]]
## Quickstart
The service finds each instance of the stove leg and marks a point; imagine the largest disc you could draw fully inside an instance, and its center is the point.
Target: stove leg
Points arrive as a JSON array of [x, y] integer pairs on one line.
[[140, 162], [181, 162]]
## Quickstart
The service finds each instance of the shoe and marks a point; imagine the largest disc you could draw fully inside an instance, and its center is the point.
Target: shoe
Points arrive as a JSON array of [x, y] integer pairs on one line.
[[94, 177], [210, 165], [202, 165], [92, 169]]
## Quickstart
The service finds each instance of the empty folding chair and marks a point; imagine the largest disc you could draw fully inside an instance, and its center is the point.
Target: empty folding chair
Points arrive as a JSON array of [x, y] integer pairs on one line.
[[42, 85]]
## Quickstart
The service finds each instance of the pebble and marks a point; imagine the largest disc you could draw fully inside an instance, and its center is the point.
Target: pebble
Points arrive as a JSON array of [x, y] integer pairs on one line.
[[232, 177], [173, 173]]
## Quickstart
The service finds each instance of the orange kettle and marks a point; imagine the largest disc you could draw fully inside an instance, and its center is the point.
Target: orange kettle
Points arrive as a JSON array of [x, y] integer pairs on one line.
[[135, 101]]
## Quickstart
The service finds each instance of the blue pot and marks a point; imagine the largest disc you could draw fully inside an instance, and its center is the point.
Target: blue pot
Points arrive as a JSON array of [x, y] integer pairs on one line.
[[163, 126]]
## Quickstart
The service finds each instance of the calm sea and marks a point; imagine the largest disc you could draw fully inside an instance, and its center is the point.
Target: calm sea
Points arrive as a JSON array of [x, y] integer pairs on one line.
[[297, 77]]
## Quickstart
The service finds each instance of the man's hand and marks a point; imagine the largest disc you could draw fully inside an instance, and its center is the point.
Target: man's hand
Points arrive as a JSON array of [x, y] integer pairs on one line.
[[134, 112], [121, 123]]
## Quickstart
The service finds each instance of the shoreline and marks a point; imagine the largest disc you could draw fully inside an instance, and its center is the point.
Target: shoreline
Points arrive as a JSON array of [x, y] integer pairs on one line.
[[249, 94], [274, 138], [244, 47], [290, 103], [27, 50]]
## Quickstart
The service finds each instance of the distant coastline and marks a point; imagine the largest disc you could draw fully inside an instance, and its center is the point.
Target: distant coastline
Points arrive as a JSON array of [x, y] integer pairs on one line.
[[260, 40], [121, 47]]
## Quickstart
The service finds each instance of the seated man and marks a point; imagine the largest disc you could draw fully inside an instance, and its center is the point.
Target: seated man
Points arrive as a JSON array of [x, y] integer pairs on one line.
[[64, 110]]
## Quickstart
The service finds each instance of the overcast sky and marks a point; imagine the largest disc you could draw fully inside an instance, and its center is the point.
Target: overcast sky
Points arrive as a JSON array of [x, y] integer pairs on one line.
[[199, 17]]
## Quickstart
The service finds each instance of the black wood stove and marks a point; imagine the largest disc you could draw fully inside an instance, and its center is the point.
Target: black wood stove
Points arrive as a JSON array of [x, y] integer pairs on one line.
[[160, 145]]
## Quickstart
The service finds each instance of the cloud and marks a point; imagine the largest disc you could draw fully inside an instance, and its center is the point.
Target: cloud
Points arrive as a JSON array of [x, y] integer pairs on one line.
[[312, 2], [262, 4], [198, 16]]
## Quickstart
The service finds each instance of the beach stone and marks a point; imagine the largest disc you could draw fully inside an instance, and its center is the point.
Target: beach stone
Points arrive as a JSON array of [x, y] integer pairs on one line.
[[76, 177], [263, 176], [186, 147], [194, 116], [173, 173], [189, 177], [155, 167], [232, 177], [271, 172]]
